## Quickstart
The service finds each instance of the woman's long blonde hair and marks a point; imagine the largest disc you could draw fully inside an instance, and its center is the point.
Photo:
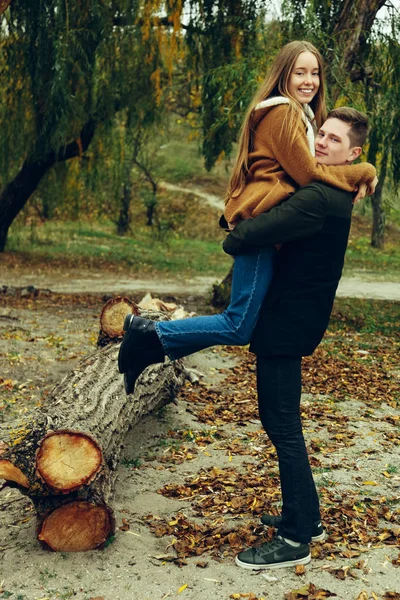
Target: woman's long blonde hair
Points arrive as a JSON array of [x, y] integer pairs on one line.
[[276, 84]]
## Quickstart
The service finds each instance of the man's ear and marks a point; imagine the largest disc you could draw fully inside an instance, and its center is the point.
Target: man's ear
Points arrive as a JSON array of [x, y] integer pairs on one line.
[[355, 153]]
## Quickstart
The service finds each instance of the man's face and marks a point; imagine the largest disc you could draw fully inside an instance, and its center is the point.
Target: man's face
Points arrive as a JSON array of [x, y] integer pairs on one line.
[[332, 145]]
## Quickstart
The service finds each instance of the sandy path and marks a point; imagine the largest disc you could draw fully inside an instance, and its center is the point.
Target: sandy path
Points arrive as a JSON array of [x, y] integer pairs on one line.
[[40, 343], [90, 282]]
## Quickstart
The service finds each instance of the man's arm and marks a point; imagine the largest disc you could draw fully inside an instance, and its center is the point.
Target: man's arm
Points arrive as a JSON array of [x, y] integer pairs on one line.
[[300, 216]]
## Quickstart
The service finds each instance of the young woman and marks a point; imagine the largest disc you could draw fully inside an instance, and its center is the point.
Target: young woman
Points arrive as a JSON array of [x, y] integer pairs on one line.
[[276, 155]]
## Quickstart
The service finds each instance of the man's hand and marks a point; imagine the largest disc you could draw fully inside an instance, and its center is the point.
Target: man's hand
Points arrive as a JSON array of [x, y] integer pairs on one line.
[[365, 189]]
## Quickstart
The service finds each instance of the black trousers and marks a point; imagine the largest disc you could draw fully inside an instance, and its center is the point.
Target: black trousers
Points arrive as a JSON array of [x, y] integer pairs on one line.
[[279, 392]]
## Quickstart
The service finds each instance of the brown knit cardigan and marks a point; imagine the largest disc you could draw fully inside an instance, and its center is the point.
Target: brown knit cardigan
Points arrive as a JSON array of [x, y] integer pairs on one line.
[[277, 169]]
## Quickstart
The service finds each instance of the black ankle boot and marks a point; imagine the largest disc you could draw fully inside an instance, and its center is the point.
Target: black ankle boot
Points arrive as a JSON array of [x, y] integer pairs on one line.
[[140, 348], [141, 343]]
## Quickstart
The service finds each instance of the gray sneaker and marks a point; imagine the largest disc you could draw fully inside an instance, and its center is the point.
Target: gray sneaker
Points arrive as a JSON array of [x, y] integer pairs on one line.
[[275, 554], [317, 534]]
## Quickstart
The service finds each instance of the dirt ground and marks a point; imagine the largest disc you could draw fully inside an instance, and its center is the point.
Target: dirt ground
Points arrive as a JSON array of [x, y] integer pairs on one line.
[[42, 339], [80, 281]]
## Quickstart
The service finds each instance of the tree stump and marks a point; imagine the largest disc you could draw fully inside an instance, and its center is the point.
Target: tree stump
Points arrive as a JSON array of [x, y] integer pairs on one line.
[[65, 457]]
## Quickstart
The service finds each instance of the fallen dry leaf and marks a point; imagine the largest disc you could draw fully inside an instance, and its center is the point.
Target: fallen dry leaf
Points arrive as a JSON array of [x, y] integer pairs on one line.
[[125, 525], [309, 592]]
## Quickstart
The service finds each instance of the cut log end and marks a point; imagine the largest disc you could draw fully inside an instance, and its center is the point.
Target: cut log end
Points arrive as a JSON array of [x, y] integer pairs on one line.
[[10, 472], [67, 460], [113, 315], [77, 527]]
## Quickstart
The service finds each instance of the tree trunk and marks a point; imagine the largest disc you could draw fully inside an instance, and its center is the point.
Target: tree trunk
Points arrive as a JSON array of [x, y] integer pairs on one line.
[[350, 33], [150, 211], [124, 217], [221, 294], [4, 4], [65, 456], [17, 193], [378, 214], [353, 26]]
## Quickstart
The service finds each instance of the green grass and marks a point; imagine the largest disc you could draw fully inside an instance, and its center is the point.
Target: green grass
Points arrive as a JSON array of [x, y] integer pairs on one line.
[[96, 245], [383, 264], [188, 239], [177, 250], [378, 317], [179, 160]]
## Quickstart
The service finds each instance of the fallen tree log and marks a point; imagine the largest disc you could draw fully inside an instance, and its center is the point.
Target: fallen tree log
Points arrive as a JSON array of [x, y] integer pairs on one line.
[[112, 319], [65, 457]]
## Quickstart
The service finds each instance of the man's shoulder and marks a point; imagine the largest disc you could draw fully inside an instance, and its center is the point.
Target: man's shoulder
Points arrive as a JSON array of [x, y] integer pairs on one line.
[[324, 199], [326, 190]]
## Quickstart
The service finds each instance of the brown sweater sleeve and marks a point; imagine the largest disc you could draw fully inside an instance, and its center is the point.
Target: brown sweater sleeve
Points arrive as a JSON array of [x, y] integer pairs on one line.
[[296, 160]]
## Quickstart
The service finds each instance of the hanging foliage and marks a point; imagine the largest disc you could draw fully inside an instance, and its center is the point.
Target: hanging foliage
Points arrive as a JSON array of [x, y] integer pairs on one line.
[[66, 68]]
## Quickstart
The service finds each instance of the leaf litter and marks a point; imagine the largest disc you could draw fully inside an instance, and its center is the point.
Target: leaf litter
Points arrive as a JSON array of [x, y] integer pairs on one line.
[[226, 502], [355, 522]]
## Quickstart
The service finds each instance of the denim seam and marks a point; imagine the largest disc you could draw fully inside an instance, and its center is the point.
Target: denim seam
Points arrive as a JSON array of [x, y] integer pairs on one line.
[[210, 331], [162, 340]]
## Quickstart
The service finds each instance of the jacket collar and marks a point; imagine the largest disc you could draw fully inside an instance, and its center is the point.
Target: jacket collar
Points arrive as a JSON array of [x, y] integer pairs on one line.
[[307, 116]]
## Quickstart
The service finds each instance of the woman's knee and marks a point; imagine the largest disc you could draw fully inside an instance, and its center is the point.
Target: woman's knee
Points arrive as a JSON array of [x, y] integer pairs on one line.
[[241, 329]]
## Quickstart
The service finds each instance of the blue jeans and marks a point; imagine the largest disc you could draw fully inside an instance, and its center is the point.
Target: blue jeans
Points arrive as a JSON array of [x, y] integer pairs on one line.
[[252, 274], [279, 392]]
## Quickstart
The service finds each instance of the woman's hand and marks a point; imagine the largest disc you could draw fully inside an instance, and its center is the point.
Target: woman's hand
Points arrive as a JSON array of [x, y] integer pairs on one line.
[[365, 189], [372, 186]]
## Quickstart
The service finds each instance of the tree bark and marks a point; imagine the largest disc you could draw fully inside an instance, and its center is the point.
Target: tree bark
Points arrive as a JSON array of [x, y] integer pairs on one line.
[[353, 26], [65, 456], [221, 293], [4, 4], [350, 33], [378, 214], [124, 220], [17, 193]]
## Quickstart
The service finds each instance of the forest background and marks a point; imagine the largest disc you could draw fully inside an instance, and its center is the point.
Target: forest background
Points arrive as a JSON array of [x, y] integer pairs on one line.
[[103, 104]]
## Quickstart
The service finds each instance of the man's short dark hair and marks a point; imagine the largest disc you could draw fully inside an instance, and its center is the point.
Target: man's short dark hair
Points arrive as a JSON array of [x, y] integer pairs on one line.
[[359, 123]]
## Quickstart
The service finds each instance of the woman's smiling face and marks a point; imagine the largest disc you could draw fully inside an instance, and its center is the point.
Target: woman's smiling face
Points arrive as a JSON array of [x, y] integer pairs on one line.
[[303, 82]]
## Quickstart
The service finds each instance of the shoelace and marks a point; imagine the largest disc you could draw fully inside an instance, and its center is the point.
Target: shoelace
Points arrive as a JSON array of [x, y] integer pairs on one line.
[[274, 544]]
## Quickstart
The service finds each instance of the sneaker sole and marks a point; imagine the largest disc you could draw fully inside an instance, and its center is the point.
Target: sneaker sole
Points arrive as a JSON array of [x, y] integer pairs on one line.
[[289, 563], [319, 538]]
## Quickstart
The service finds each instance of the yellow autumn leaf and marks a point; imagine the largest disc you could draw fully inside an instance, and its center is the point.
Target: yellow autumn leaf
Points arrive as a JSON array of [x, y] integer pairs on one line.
[[183, 587], [369, 483]]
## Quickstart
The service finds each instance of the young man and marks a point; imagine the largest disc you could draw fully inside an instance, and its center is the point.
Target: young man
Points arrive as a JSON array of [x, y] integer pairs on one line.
[[313, 226]]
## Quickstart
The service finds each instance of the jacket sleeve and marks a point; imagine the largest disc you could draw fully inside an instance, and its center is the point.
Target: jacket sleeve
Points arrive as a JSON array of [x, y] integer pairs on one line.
[[300, 216], [296, 160]]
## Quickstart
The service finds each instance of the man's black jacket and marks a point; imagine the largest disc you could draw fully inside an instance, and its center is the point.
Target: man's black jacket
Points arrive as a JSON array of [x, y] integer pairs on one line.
[[313, 226]]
